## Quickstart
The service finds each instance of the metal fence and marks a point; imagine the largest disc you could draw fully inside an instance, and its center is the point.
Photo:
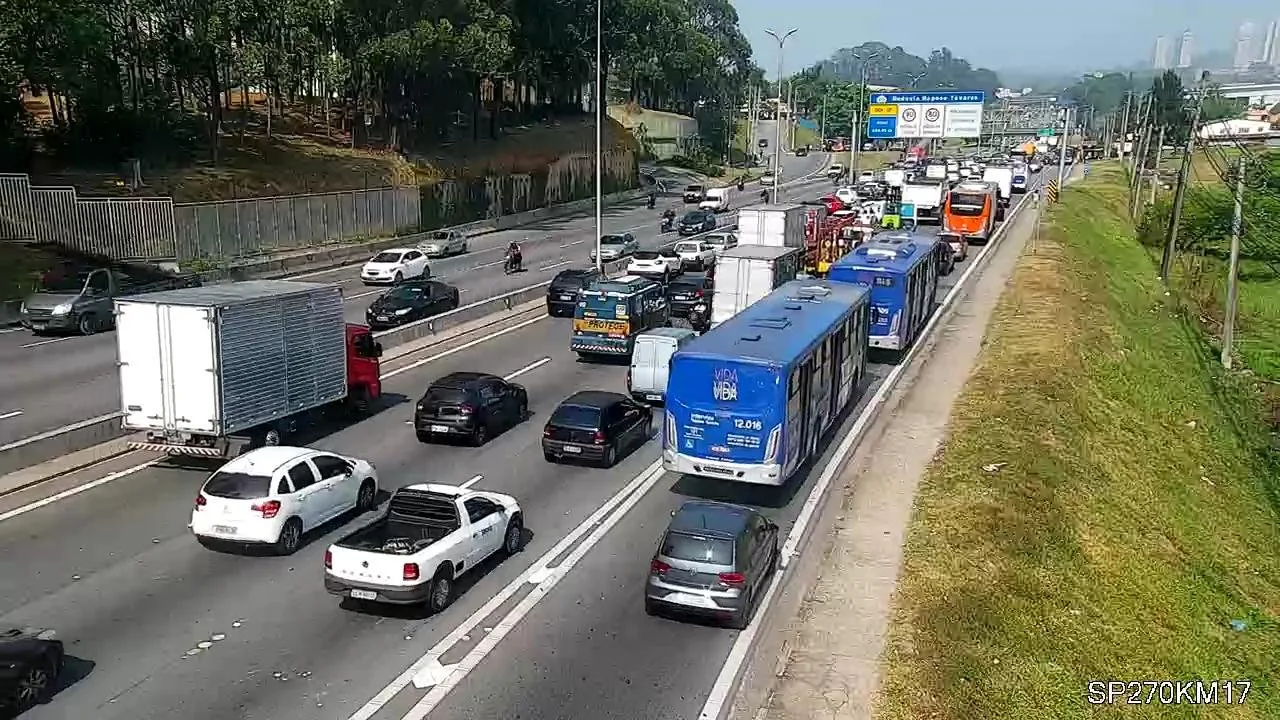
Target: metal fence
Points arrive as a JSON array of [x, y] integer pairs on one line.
[[243, 228]]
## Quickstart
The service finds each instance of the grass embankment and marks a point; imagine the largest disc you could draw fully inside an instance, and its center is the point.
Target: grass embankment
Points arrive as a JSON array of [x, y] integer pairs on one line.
[[1126, 515]]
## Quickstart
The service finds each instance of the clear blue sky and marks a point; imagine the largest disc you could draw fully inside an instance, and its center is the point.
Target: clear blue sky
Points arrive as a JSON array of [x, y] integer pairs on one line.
[[1096, 33]]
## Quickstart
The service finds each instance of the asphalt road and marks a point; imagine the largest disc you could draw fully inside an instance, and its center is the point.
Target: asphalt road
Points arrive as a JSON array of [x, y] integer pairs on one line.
[[52, 382], [115, 572]]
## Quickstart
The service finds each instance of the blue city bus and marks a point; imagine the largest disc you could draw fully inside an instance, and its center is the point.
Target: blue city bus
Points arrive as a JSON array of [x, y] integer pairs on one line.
[[610, 313], [750, 400], [901, 270]]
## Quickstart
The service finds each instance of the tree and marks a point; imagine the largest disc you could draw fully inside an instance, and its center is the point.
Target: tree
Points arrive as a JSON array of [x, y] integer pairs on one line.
[[1104, 92]]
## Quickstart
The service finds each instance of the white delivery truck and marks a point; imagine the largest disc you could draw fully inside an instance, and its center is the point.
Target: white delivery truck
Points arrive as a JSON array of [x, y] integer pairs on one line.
[[894, 177], [749, 272], [927, 196], [774, 225], [1002, 178], [212, 371], [936, 170]]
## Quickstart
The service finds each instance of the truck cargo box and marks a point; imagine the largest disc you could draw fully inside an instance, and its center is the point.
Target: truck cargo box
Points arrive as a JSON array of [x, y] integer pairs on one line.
[[772, 225], [221, 360], [748, 273]]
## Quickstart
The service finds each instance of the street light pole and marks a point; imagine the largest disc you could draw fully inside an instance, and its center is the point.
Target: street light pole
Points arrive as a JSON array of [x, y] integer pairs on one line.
[[600, 74], [855, 150], [777, 125]]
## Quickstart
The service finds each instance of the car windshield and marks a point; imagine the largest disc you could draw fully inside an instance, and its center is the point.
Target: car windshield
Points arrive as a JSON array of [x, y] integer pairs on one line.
[[576, 416], [406, 292], [697, 548], [237, 486], [440, 235], [684, 287], [694, 217], [613, 240], [717, 239], [688, 248], [646, 255], [386, 257], [60, 282], [693, 188], [569, 282], [445, 395]]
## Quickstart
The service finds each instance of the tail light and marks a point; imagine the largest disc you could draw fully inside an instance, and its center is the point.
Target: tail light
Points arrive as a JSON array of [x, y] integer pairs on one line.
[[697, 293], [411, 571], [466, 409], [269, 509], [733, 579], [658, 567], [328, 559], [546, 432], [201, 500], [599, 439]]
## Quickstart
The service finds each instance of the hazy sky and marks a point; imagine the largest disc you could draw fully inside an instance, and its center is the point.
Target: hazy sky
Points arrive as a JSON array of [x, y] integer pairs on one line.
[[998, 33]]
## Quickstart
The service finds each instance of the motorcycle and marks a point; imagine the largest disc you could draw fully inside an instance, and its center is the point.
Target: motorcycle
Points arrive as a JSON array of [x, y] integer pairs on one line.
[[741, 185], [668, 224], [652, 202], [700, 317], [512, 264]]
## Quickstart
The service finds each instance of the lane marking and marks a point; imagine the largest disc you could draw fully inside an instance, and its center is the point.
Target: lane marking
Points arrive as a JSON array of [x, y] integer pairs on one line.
[[50, 341], [70, 492], [724, 686], [545, 268], [464, 346], [5, 331], [364, 294], [10, 414], [636, 489], [527, 368], [472, 481]]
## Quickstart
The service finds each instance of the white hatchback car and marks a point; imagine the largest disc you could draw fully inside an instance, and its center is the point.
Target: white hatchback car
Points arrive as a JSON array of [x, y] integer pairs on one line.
[[662, 263], [393, 266], [273, 495], [847, 195], [444, 242]]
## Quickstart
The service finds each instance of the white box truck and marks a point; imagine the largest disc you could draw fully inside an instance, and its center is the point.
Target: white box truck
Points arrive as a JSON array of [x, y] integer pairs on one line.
[[1002, 178], [926, 196], [749, 272], [773, 225], [212, 371]]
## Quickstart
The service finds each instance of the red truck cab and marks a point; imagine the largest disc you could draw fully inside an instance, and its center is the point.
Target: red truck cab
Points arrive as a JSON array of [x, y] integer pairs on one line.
[[364, 366]]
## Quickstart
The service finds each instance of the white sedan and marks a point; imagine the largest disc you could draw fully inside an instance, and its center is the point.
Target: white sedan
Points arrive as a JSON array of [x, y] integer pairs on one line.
[[393, 266], [769, 179], [444, 242], [273, 495]]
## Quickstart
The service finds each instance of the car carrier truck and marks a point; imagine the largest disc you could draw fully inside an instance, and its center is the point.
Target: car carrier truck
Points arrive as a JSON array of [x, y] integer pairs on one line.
[[213, 371]]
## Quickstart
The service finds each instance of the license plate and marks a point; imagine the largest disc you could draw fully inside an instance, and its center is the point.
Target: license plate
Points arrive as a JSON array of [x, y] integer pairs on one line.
[[652, 397], [683, 297], [566, 297], [382, 318], [224, 529], [440, 428], [364, 595], [572, 449], [39, 326], [691, 600]]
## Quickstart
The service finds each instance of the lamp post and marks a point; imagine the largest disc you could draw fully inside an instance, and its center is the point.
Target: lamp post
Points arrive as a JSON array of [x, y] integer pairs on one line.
[[855, 147], [599, 101], [777, 125]]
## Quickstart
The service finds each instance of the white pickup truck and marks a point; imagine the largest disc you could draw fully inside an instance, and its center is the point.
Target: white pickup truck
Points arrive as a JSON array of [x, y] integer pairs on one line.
[[429, 537]]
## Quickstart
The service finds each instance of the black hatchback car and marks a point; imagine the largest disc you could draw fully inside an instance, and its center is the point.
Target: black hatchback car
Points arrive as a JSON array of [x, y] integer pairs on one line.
[[410, 301], [562, 293], [685, 292], [470, 406], [596, 426], [697, 221], [30, 662]]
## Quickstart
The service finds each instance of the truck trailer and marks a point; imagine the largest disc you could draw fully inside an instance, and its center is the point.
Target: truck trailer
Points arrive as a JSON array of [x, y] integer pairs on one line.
[[214, 371], [748, 273], [773, 225]]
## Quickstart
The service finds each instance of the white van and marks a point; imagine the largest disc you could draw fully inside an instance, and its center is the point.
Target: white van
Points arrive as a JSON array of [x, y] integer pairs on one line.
[[651, 361], [716, 200]]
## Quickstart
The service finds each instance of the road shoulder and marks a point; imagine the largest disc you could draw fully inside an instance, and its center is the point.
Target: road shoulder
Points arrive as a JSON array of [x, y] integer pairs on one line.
[[823, 654]]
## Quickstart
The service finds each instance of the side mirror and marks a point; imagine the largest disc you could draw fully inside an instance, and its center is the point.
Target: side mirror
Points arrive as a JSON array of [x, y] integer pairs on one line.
[[377, 349]]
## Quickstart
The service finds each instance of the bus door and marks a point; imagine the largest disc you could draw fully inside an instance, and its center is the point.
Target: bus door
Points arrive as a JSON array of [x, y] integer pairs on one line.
[[911, 308], [807, 440], [845, 367], [793, 434], [820, 401]]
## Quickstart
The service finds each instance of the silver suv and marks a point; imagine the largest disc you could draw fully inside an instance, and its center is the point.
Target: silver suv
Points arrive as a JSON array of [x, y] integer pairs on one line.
[[714, 561]]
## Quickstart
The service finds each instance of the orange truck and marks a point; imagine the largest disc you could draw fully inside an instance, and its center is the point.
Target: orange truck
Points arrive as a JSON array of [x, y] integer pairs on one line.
[[969, 215]]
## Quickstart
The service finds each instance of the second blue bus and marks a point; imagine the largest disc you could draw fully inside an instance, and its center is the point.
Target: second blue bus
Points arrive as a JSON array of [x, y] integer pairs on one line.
[[901, 270], [751, 399]]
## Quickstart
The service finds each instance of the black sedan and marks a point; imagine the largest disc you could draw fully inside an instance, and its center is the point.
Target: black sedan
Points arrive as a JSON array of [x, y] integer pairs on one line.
[[697, 221], [410, 301], [30, 662], [683, 293]]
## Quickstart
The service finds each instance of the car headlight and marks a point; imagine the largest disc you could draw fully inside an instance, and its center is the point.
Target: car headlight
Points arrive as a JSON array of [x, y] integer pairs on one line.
[[62, 308], [403, 311]]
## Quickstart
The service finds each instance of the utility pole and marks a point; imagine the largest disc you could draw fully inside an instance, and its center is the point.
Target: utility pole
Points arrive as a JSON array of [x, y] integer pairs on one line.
[[1155, 169], [1180, 194], [822, 131], [1139, 158], [1062, 148], [1106, 138], [1124, 126], [853, 148], [1233, 281], [750, 147]]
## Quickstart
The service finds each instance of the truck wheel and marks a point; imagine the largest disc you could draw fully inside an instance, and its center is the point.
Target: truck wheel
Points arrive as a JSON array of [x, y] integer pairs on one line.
[[271, 438], [513, 541], [441, 595], [88, 324], [290, 537]]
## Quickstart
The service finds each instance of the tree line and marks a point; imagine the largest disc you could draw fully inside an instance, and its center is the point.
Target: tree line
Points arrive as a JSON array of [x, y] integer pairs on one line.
[[159, 78]]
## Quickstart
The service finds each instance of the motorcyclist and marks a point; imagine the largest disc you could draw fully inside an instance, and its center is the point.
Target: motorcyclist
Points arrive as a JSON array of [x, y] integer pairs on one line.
[[764, 196], [742, 184], [515, 258], [668, 219], [653, 199]]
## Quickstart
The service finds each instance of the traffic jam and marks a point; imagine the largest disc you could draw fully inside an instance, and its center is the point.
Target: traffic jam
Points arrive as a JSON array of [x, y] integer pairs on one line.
[[673, 324]]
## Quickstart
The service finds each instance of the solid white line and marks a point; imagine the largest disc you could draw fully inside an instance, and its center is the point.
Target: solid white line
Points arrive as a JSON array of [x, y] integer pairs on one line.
[[460, 348], [76, 490], [472, 481], [543, 588], [11, 414], [644, 480], [4, 331], [48, 342], [545, 268], [737, 658], [363, 294], [531, 366]]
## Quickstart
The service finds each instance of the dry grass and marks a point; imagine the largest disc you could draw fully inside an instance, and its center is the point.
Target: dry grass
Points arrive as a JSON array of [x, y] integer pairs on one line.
[[1134, 518]]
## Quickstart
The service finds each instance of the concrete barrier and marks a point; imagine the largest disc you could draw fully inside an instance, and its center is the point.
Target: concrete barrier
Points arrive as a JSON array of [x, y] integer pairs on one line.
[[61, 441]]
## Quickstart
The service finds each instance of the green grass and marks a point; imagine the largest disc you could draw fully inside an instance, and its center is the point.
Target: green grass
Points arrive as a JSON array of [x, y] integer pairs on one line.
[[1134, 517]]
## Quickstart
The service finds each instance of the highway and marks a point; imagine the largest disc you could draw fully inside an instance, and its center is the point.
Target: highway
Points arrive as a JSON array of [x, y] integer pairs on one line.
[[55, 381], [159, 626]]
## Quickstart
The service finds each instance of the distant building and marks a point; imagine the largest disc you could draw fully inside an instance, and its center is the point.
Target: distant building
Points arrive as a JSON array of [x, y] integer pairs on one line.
[[1244, 46], [1273, 43], [1268, 43], [1184, 49], [1160, 60]]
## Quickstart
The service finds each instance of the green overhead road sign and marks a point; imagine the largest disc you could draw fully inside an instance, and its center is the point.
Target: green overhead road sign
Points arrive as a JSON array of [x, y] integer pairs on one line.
[[1047, 132]]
